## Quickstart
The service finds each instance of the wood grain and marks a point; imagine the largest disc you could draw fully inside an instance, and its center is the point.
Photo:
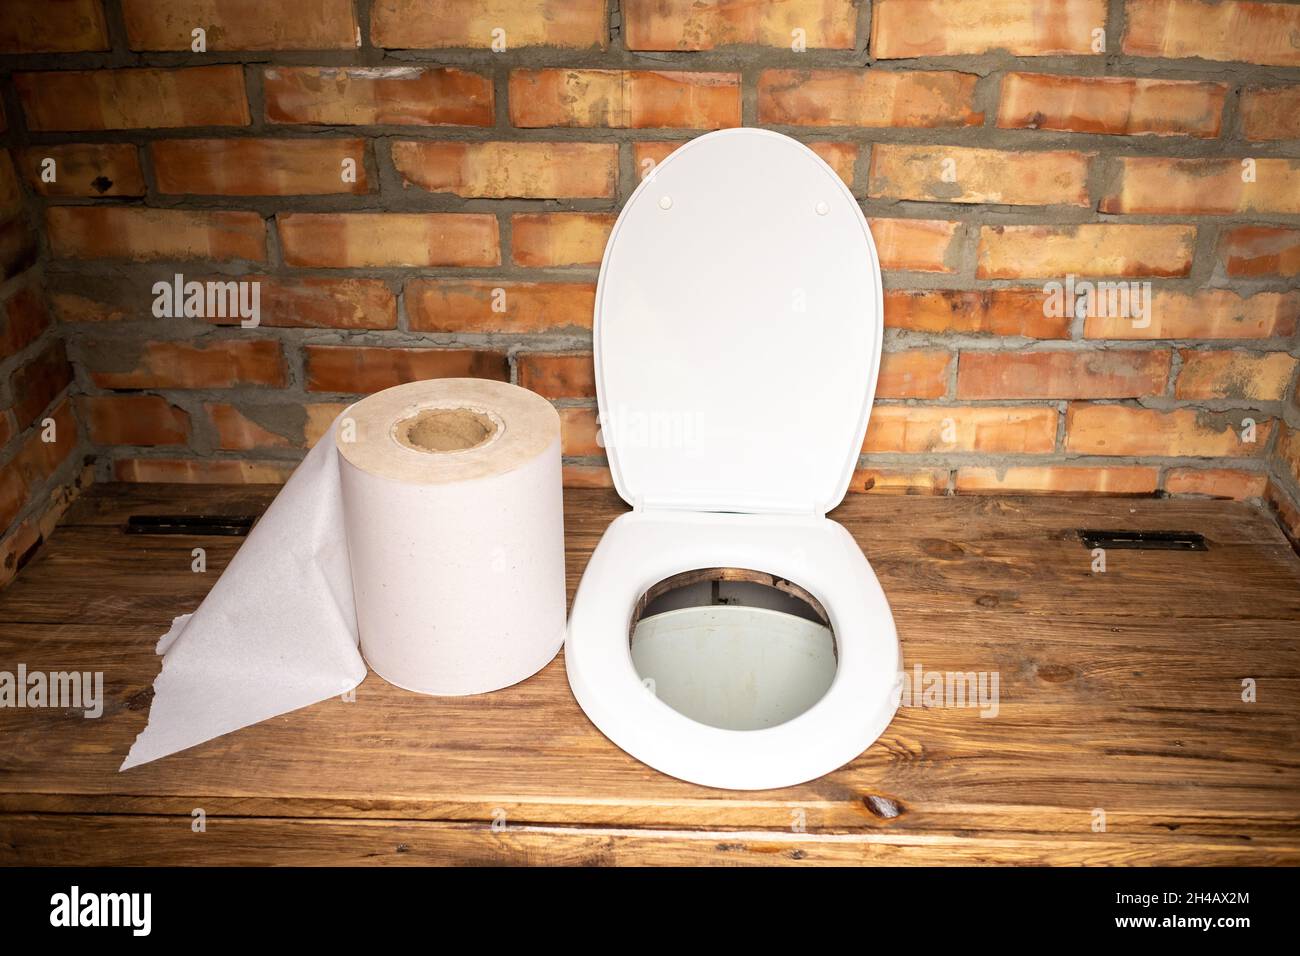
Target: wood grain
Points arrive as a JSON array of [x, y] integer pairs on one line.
[[1118, 691]]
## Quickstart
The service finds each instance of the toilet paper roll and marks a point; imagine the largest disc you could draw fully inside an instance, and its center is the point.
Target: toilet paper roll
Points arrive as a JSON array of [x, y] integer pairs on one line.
[[426, 526], [452, 502]]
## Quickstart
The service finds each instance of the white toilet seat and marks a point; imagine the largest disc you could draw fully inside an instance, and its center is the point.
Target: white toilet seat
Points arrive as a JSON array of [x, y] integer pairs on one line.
[[640, 549], [739, 304]]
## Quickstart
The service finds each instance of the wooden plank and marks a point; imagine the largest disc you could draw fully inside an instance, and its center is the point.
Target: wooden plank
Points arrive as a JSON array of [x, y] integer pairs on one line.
[[985, 517], [589, 511], [81, 840], [1075, 730], [112, 503], [1119, 691], [971, 572]]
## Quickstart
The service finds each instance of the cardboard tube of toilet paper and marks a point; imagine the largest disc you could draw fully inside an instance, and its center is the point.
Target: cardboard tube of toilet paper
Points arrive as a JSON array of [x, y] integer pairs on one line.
[[452, 505], [439, 503]]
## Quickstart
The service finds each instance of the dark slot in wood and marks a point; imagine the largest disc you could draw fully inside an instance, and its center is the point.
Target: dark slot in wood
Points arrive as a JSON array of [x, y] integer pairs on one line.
[[220, 525], [1144, 540]]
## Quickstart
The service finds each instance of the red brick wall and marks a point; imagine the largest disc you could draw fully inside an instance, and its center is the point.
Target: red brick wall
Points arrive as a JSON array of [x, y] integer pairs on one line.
[[995, 145], [40, 448]]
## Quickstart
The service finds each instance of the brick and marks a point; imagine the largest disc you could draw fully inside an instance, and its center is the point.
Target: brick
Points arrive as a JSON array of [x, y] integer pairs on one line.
[[23, 320], [359, 240], [1227, 30], [377, 96], [11, 193], [1116, 105], [21, 545], [914, 373], [299, 302], [1260, 251], [1207, 314], [1012, 312], [1234, 374], [871, 98], [78, 297], [85, 169], [915, 245], [1108, 373], [236, 431], [543, 240], [133, 98], [579, 432], [312, 302], [425, 24], [360, 370], [558, 374], [11, 196], [265, 25], [912, 28], [690, 25], [1285, 510], [1216, 482], [1097, 249], [495, 305], [624, 99], [17, 547], [39, 459], [258, 167], [39, 26], [1058, 479], [203, 471], [647, 155], [223, 363], [1180, 433], [134, 232], [1036, 178], [320, 416], [1016, 429], [1154, 184], [13, 493], [38, 382], [17, 247], [898, 481], [133, 420], [841, 157], [1288, 451], [35, 462], [72, 306], [1271, 113], [501, 170], [587, 476]]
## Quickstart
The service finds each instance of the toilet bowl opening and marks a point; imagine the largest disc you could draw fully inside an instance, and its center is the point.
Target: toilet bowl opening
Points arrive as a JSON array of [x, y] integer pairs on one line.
[[733, 647]]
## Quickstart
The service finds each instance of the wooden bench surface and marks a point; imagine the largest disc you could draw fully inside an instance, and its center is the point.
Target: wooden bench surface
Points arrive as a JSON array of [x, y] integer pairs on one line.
[[1119, 692]]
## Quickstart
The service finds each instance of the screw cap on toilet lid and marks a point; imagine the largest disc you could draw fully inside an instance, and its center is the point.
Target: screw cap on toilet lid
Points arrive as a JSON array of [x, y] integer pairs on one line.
[[737, 330]]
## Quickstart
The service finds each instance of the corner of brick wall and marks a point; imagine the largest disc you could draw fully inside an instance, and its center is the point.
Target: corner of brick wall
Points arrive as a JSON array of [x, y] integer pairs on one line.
[[993, 147], [1283, 494], [42, 455]]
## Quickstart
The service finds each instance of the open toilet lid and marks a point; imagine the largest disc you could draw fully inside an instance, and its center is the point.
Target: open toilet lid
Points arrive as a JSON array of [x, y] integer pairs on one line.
[[737, 330]]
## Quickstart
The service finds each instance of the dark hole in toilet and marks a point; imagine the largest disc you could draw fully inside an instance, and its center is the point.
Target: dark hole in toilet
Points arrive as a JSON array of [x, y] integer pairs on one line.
[[733, 647]]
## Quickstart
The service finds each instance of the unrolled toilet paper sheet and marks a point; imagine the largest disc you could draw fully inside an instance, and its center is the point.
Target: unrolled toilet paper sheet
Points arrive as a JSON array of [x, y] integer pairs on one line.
[[278, 630]]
